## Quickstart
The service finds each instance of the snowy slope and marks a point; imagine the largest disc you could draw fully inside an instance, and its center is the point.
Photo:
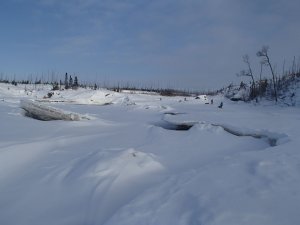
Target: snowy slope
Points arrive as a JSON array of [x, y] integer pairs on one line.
[[124, 167]]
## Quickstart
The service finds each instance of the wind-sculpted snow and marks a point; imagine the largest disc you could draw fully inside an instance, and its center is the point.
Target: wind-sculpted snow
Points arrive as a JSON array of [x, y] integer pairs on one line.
[[105, 180], [131, 165], [40, 111]]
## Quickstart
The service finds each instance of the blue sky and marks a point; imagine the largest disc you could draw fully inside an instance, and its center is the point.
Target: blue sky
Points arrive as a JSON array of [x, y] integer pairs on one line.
[[195, 44]]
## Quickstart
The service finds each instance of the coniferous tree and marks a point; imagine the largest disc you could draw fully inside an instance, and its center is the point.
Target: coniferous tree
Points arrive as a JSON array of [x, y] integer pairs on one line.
[[66, 81], [71, 82], [75, 82]]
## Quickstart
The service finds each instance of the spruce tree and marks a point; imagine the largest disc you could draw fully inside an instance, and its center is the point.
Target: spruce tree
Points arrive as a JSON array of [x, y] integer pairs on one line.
[[71, 82], [75, 82], [66, 81]]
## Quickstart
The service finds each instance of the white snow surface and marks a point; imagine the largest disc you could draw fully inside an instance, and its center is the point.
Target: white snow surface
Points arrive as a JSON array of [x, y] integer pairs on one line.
[[123, 167]]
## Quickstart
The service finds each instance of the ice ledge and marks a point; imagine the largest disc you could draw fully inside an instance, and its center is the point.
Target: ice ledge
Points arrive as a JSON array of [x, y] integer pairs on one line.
[[43, 112]]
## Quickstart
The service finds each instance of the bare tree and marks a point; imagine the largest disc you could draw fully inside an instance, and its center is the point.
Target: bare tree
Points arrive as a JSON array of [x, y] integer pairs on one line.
[[260, 81], [266, 60], [294, 66], [248, 73]]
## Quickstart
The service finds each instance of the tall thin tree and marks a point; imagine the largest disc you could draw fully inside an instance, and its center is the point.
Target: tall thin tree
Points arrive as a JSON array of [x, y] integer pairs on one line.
[[266, 60], [249, 73], [66, 81], [71, 82]]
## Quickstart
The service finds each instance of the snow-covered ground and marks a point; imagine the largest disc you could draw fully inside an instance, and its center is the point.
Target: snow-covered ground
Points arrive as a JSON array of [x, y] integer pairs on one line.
[[126, 165]]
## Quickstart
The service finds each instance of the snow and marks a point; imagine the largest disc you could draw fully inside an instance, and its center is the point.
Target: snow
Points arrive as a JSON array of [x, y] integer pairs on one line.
[[43, 112], [123, 167]]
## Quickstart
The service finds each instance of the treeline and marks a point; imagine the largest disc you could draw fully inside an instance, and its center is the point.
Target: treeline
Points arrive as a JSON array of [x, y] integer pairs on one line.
[[261, 86], [68, 83], [72, 82], [161, 91]]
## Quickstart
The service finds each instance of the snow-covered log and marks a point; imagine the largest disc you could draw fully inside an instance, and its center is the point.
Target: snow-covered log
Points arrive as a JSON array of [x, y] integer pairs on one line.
[[41, 111]]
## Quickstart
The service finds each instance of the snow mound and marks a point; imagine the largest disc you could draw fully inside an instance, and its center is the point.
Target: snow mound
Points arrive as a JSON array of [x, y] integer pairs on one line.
[[127, 101], [99, 97], [81, 96], [43, 112], [127, 175], [109, 180]]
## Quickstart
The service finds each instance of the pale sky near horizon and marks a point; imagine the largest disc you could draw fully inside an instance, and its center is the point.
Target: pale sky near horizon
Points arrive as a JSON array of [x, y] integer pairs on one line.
[[193, 44]]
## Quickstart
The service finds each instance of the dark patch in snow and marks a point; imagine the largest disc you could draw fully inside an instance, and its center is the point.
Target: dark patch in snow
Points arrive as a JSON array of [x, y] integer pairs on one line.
[[272, 139], [173, 113], [171, 126]]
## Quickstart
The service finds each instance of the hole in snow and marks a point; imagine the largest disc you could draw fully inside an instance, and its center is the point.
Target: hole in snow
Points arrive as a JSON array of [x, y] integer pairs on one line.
[[171, 126], [173, 113]]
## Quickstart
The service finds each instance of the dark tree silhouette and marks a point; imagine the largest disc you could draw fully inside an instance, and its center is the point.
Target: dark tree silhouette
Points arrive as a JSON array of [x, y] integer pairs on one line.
[[66, 81], [249, 73], [71, 82], [75, 82], [263, 53]]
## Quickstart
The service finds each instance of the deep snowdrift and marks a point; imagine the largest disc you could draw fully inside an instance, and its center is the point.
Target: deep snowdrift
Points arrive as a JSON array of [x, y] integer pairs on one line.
[[122, 168]]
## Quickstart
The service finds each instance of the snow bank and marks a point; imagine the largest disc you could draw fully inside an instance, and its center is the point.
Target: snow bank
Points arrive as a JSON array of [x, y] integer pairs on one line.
[[81, 96], [43, 112]]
